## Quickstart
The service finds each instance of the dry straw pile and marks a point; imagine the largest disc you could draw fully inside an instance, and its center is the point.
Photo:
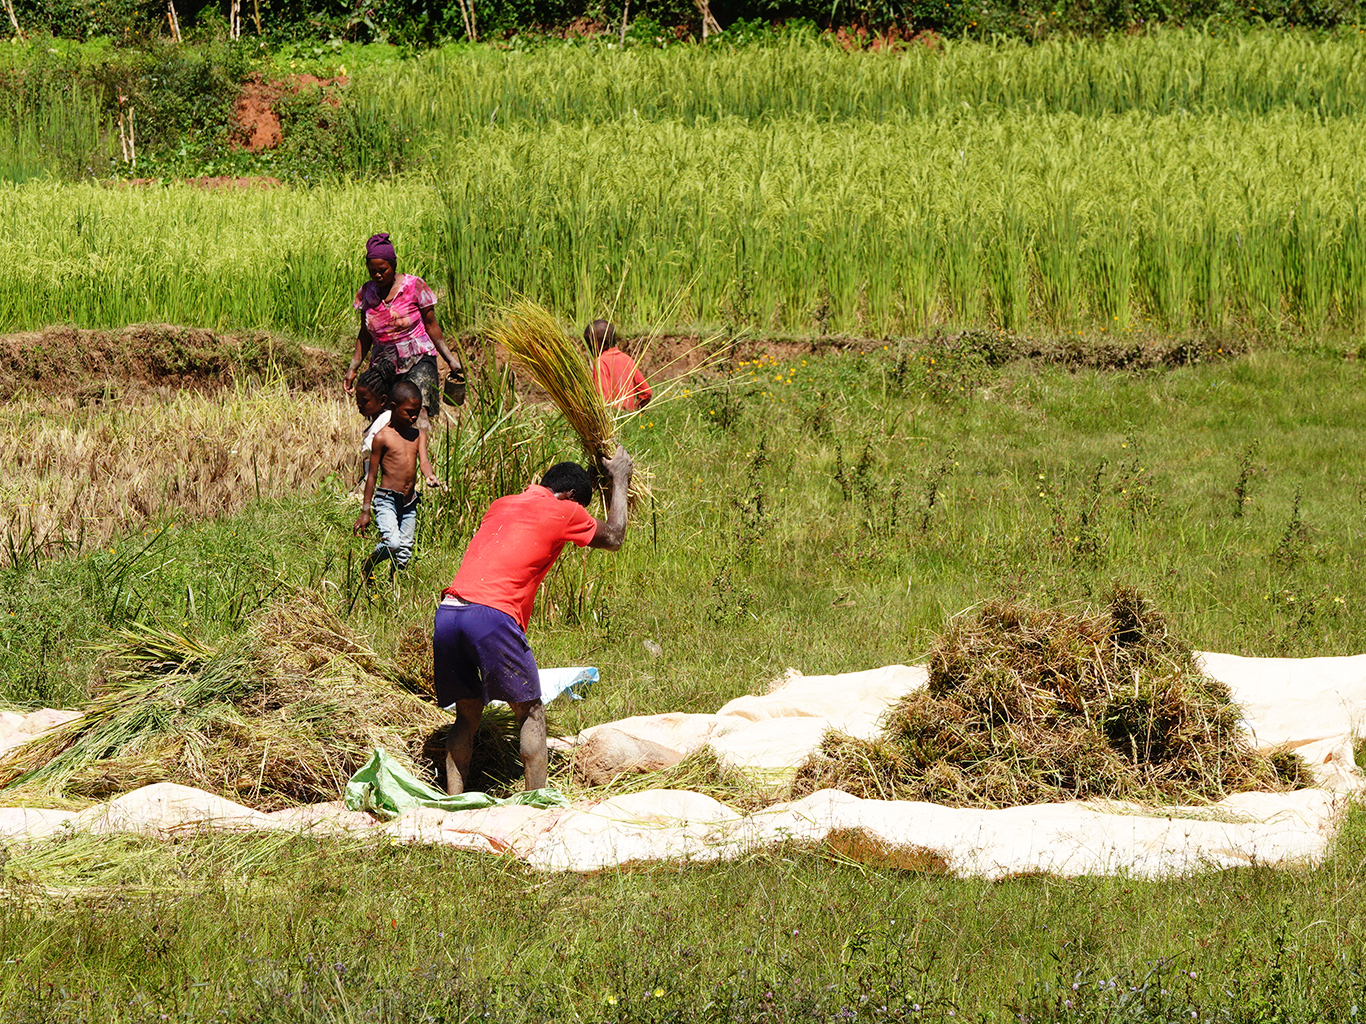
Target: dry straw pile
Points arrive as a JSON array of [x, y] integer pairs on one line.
[[85, 473], [1026, 706], [281, 716]]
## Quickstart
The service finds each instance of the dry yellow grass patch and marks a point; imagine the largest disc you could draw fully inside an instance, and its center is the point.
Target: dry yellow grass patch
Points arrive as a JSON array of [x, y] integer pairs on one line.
[[81, 473]]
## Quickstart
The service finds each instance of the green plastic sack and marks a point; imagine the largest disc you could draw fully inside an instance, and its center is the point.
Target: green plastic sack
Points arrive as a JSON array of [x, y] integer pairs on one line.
[[385, 788]]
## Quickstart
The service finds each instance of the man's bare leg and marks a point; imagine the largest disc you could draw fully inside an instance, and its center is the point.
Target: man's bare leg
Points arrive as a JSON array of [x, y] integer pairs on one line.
[[531, 731], [460, 744]]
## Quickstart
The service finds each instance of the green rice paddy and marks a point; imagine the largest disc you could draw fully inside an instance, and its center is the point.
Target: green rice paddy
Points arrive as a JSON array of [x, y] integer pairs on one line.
[[1178, 180]]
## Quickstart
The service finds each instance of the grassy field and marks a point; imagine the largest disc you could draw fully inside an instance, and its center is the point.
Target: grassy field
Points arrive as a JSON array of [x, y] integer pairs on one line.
[[803, 501], [1176, 181], [822, 511], [234, 930], [1016, 219]]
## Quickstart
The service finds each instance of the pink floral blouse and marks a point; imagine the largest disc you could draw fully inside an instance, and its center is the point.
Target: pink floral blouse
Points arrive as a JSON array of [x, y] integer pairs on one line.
[[398, 323]]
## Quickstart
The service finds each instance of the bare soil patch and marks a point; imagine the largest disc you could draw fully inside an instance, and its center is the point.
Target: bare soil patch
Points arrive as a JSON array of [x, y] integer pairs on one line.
[[256, 117], [258, 124]]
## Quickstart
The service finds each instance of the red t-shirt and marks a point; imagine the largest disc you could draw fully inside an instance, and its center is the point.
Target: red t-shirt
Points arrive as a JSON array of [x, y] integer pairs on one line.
[[514, 548], [620, 380]]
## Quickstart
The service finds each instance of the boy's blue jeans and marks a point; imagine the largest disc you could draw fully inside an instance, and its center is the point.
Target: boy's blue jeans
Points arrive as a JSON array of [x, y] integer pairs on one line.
[[397, 524]]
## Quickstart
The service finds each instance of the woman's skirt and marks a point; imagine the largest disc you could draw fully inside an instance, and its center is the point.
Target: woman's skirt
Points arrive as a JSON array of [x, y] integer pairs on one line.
[[423, 374]]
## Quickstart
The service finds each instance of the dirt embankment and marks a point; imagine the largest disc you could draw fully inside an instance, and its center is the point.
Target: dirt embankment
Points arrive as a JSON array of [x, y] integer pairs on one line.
[[100, 365], [65, 361], [672, 355], [257, 117], [108, 364]]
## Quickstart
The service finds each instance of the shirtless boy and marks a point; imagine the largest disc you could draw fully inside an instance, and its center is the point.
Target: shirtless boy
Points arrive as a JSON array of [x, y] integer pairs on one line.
[[399, 451]]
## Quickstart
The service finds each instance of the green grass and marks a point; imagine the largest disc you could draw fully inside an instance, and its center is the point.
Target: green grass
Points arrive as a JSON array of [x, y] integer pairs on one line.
[[795, 226], [792, 512], [826, 512], [1161, 72], [250, 929], [792, 526]]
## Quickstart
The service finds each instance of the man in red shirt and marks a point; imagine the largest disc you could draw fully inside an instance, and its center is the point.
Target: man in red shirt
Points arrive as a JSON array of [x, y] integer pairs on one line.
[[614, 372], [479, 647]]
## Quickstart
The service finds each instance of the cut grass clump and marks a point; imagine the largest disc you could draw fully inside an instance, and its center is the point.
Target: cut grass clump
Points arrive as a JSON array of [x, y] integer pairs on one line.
[[1031, 706], [559, 366], [280, 716], [700, 772]]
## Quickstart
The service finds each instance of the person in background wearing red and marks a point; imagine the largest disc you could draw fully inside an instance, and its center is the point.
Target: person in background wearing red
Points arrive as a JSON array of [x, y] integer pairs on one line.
[[615, 373]]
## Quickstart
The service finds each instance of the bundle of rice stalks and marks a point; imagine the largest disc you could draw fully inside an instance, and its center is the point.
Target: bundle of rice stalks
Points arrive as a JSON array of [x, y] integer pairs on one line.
[[283, 715], [559, 366], [1026, 706]]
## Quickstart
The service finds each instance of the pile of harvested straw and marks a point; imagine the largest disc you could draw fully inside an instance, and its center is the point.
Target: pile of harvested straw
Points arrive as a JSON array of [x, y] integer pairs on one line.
[[1027, 706], [283, 715]]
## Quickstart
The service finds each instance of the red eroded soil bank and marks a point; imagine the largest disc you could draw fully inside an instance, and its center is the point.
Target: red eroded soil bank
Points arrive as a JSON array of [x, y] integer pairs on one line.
[[256, 118]]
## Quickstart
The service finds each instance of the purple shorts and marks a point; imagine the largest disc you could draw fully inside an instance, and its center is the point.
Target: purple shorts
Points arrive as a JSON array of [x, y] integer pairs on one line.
[[480, 653]]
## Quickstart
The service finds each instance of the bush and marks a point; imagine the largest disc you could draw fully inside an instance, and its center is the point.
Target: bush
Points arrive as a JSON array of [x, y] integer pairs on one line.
[[127, 21], [414, 23]]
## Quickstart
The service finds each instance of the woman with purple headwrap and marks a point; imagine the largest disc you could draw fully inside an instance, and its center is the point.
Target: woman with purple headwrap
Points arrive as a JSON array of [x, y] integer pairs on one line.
[[398, 326]]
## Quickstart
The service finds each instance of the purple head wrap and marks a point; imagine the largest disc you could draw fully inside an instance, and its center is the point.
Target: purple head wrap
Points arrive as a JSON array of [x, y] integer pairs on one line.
[[378, 247]]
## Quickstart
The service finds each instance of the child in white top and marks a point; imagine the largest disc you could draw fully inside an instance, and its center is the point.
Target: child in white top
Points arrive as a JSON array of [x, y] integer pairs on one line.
[[372, 400]]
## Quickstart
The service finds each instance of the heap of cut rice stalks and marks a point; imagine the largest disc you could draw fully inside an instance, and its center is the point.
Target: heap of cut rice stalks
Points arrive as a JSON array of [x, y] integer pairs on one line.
[[1027, 706], [558, 365], [281, 715]]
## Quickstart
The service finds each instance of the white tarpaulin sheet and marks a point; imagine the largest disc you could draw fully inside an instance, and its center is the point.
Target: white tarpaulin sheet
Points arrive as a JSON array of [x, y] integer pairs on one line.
[[1315, 705]]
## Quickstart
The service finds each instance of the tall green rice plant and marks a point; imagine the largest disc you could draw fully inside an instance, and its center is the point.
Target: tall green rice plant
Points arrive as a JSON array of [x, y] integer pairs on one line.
[[1057, 258], [1110, 269], [52, 129], [899, 223], [1310, 262], [1161, 264], [1257, 254], [964, 272], [1352, 253], [920, 259], [463, 91], [1009, 269], [1209, 265]]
